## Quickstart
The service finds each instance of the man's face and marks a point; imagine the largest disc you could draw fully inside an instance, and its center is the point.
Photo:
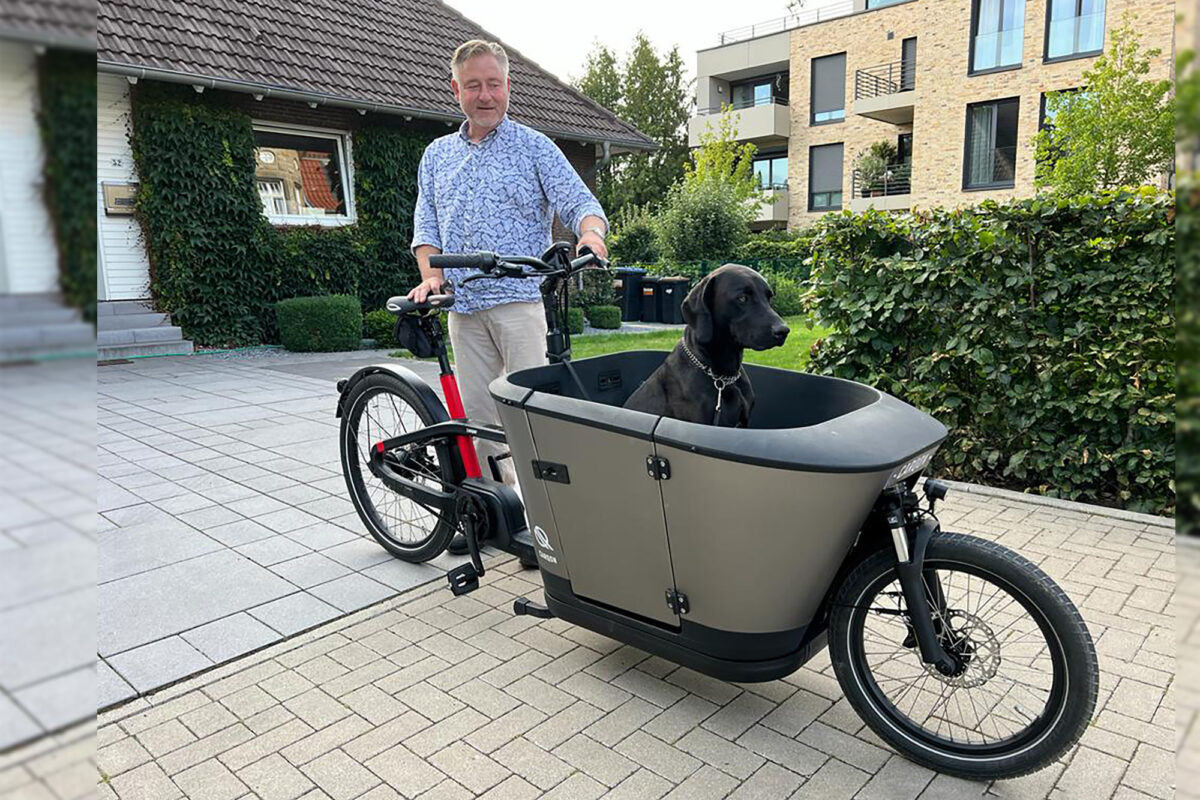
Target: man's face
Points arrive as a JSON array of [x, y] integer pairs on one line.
[[481, 90]]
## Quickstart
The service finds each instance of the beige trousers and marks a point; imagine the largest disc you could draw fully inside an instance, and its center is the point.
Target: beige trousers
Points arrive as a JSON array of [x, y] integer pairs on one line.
[[488, 344]]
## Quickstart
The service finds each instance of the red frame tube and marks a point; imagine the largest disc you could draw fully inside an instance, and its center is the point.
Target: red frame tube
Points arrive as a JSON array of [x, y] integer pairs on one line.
[[466, 446]]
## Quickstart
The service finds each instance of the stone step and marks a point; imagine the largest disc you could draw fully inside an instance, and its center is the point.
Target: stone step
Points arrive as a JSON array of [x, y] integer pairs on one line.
[[125, 322], [116, 307], [46, 340], [38, 317], [165, 333], [179, 348], [29, 302]]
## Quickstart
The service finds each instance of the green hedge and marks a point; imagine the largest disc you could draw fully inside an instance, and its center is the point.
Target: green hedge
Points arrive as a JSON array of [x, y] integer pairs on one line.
[[327, 324], [606, 317], [216, 264], [575, 320], [1187, 303], [380, 325], [1041, 332], [67, 123]]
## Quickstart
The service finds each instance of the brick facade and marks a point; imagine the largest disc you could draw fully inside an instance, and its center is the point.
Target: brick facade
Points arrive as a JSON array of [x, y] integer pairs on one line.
[[943, 89]]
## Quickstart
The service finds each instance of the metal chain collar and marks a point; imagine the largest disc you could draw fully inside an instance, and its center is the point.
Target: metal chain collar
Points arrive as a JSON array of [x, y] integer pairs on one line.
[[719, 381]]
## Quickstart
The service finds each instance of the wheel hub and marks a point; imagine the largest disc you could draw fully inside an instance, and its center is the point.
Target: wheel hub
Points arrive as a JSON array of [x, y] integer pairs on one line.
[[971, 643]]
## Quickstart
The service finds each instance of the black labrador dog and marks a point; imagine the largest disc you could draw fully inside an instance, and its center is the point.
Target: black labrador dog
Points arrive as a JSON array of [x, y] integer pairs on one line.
[[702, 379]]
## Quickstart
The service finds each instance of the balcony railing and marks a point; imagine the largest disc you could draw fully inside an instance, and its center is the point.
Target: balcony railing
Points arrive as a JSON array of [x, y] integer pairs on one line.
[[778, 24], [739, 105], [884, 79], [896, 179]]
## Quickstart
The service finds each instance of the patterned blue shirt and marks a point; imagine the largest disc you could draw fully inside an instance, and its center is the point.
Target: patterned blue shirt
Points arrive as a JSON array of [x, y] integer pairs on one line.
[[498, 195]]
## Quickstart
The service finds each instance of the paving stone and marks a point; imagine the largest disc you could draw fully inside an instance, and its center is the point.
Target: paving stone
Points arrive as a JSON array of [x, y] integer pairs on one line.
[[1091, 774], [783, 750], [835, 780], [146, 781], [208, 719], [666, 760], [294, 613], [404, 771], [310, 570], [273, 778], [326, 739], [121, 756], [240, 532], [720, 753], [229, 637], [899, 779], [602, 763], [470, 768], [340, 776], [316, 708], [210, 780], [641, 785], [158, 663], [161, 739], [273, 550], [352, 592]]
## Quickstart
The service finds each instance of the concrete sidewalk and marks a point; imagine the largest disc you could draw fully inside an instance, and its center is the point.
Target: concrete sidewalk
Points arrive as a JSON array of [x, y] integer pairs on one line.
[[427, 695], [225, 523]]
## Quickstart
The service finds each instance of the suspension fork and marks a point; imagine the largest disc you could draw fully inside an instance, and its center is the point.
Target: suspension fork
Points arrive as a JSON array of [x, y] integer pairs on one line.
[[910, 538]]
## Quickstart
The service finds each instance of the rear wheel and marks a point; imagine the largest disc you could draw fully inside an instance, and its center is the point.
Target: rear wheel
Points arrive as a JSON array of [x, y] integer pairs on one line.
[[379, 407], [1028, 676]]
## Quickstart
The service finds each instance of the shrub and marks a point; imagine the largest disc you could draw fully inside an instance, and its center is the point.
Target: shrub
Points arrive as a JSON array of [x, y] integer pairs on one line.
[[703, 220], [634, 240], [1041, 332], [381, 326], [597, 288], [326, 324], [608, 317], [575, 320], [789, 297]]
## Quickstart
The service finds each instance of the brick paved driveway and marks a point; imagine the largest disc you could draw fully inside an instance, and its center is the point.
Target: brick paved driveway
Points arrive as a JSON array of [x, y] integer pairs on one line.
[[426, 695]]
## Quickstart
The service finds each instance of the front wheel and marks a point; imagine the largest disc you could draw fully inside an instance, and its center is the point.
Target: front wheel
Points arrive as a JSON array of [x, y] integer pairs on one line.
[[1028, 677], [379, 407]]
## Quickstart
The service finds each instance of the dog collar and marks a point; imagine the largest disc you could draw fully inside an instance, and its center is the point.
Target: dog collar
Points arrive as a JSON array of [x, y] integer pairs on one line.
[[719, 381]]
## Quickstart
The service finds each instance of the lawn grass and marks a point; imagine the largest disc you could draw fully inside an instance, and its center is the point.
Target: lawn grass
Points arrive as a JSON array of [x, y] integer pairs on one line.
[[793, 354]]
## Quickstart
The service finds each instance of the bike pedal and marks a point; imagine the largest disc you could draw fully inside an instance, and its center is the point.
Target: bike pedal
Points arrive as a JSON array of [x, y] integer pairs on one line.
[[463, 579]]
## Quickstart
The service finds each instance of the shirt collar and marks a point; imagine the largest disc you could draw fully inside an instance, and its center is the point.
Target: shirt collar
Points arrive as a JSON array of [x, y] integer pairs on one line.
[[495, 133]]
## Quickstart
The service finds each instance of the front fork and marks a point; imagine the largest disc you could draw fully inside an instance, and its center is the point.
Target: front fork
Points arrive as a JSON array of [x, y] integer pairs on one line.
[[911, 534]]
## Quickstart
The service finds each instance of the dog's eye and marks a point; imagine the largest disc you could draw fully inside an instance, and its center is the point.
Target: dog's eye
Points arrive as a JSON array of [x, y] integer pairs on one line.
[[743, 299]]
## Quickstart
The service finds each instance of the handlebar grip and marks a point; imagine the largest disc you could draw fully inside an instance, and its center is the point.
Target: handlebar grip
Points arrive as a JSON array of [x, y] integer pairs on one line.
[[403, 305], [483, 261]]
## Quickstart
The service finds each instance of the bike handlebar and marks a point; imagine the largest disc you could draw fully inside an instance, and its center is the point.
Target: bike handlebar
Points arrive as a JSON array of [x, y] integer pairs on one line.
[[492, 265], [482, 261]]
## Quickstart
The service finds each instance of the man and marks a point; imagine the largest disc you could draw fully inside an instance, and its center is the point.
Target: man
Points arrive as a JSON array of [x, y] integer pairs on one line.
[[494, 185]]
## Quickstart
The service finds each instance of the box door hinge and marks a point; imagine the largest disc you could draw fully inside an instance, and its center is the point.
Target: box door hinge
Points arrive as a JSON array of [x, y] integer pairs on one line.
[[677, 601], [658, 468]]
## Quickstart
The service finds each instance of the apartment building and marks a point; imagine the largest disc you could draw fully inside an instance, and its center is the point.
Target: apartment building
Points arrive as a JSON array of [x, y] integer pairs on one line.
[[948, 92]]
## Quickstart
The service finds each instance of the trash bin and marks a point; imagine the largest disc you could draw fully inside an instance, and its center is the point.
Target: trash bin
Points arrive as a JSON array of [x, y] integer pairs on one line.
[[630, 291], [671, 292], [650, 290]]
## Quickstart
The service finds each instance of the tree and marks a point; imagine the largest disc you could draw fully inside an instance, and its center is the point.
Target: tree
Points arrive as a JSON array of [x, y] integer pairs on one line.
[[649, 92], [721, 157], [1117, 131]]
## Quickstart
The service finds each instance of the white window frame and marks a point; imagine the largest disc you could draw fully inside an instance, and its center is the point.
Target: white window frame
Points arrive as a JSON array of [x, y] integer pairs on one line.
[[343, 141]]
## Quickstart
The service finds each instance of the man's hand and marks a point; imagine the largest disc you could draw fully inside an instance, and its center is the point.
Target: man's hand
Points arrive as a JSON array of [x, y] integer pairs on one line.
[[594, 242], [431, 285]]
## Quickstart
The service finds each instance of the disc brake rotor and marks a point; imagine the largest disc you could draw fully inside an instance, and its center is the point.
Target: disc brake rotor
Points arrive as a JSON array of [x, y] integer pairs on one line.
[[973, 642]]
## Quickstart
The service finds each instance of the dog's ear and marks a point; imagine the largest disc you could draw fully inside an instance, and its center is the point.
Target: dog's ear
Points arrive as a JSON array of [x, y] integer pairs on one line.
[[697, 310]]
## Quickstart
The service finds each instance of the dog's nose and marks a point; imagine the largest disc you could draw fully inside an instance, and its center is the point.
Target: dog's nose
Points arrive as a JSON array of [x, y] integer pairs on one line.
[[780, 332]]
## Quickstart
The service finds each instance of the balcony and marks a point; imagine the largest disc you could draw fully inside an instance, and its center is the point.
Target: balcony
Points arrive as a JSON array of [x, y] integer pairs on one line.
[[773, 212], [765, 121], [779, 24], [886, 92], [888, 192]]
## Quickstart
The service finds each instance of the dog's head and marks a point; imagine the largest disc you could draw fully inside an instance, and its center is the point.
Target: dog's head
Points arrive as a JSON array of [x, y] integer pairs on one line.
[[734, 302]]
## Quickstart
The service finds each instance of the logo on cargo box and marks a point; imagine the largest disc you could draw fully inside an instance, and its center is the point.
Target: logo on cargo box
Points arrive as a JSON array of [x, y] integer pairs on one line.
[[542, 539]]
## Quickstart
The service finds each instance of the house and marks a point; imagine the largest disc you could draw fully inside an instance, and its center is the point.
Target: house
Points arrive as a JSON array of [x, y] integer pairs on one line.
[[956, 87], [309, 76], [34, 320]]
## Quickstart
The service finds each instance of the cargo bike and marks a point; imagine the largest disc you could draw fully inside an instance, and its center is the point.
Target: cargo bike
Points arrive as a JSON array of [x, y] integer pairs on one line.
[[739, 553]]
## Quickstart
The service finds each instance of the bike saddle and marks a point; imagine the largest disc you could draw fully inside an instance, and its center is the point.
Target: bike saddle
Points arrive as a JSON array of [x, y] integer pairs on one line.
[[402, 305]]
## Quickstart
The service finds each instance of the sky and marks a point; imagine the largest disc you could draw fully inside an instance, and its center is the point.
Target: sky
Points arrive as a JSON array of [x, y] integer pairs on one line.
[[558, 36]]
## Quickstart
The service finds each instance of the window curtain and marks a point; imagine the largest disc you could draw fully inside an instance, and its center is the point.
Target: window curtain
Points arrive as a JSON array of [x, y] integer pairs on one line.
[[983, 145]]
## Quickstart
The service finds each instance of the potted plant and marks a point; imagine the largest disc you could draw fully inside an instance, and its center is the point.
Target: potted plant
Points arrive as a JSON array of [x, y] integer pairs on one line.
[[872, 165]]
